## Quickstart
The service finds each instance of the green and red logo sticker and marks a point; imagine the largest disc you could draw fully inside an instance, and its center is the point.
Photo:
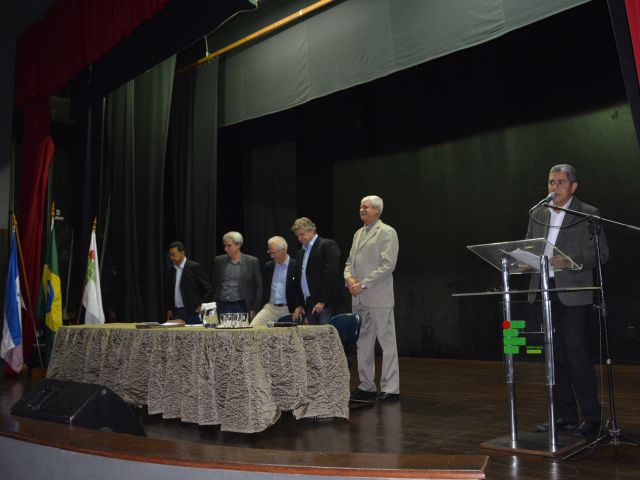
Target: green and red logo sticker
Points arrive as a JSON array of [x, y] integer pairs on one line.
[[511, 330]]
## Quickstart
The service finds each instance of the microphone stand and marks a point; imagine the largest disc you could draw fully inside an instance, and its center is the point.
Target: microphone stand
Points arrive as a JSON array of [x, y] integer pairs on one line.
[[613, 433]]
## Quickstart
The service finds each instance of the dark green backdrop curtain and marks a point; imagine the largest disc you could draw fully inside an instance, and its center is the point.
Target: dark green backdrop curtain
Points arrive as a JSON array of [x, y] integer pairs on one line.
[[270, 191], [137, 123], [192, 169], [353, 42]]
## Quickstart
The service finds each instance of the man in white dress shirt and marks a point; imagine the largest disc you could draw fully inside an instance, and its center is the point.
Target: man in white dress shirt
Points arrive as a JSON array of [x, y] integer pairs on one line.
[[280, 283]]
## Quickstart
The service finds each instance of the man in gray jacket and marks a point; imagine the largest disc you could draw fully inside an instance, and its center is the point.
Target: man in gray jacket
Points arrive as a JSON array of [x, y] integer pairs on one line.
[[237, 284]]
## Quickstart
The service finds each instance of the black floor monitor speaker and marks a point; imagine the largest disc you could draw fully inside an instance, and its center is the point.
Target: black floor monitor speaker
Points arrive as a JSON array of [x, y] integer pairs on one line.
[[79, 404]]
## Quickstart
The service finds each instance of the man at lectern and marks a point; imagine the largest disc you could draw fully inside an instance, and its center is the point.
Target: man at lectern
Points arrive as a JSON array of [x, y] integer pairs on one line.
[[570, 311]]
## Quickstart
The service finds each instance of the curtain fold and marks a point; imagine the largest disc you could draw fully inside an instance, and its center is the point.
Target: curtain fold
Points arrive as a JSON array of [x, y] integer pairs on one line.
[[270, 205], [193, 166], [34, 176], [633, 15], [137, 123], [74, 34]]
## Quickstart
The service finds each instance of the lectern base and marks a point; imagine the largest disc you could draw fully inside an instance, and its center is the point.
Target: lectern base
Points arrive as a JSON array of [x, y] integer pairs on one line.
[[534, 444]]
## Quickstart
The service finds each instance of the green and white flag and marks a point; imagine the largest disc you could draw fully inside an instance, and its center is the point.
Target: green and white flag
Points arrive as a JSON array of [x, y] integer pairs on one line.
[[92, 298]]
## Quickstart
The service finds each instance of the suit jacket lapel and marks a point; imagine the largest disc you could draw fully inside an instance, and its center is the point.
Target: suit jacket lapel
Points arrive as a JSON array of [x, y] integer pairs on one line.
[[269, 268], [220, 271], [172, 274], [568, 219], [373, 232], [243, 268], [314, 249], [545, 219]]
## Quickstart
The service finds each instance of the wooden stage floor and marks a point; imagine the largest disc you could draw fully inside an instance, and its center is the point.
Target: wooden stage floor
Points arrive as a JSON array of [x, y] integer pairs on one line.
[[447, 407]]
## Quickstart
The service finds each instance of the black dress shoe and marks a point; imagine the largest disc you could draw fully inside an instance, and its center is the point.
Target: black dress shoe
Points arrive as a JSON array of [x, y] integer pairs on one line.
[[388, 397], [587, 429], [561, 424], [363, 396]]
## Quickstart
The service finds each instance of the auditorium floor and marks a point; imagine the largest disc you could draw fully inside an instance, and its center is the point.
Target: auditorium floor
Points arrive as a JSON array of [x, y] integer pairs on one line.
[[446, 407]]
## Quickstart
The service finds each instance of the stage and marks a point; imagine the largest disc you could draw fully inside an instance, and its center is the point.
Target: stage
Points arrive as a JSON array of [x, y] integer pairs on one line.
[[447, 409]]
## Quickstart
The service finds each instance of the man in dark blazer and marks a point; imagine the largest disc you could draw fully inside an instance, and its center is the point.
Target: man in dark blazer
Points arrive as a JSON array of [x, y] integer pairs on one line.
[[186, 286], [570, 311], [318, 273], [237, 285], [280, 288]]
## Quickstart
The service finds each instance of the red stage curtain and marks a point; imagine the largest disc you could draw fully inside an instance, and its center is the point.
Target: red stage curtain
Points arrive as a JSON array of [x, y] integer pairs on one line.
[[73, 35], [633, 14], [36, 158]]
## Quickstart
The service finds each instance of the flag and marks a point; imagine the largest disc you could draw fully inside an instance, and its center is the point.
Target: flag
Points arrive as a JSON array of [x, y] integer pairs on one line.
[[92, 298], [11, 347], [50, 297]]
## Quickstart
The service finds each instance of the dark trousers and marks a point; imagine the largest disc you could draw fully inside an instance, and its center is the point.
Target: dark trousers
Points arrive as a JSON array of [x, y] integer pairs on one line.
[[573, 364], [317, 318], [231, 307], [190, 318]]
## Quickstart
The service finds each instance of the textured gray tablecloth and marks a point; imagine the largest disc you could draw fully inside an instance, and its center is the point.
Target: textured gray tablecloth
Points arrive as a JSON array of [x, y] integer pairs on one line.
[[239, 379]]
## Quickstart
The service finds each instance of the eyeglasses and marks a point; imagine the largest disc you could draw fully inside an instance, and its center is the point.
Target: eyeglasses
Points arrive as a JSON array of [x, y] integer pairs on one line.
[[560, 183], [274, 253]]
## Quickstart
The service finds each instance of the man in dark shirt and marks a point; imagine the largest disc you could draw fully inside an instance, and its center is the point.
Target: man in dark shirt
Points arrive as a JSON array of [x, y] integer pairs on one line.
[[238, 282]]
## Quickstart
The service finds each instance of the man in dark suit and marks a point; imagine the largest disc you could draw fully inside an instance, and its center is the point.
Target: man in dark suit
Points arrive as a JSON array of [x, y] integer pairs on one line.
[[280, 292], [570, 311], [318, 273], [186, 286], [238, 283]]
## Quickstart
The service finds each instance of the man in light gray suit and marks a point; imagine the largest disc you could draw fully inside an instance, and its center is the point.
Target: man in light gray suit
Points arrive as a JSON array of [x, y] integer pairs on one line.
[[570, 311], [369, 277], [237, 285]]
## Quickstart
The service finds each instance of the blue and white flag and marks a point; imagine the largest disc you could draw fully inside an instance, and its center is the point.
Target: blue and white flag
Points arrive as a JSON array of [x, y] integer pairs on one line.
[[11, 347]]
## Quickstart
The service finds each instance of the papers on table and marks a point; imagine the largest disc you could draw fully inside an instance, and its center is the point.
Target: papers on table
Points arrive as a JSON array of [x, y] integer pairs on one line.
[[526, 258]]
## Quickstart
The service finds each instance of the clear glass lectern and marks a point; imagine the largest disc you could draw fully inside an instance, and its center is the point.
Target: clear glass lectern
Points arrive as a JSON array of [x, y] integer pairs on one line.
[[523, 256], [533, 256]]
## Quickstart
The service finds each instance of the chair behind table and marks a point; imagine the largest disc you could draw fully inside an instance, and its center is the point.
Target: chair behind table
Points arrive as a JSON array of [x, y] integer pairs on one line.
[[348, 327]]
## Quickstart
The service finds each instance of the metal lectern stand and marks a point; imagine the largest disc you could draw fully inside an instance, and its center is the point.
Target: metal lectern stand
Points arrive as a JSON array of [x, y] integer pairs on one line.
[[526, 257]]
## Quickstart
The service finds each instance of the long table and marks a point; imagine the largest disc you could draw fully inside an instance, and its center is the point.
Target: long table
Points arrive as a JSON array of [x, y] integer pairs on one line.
[[239, 379]]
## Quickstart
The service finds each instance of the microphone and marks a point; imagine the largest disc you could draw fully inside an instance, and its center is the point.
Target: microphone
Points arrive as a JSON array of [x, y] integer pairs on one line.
[[546, 199]]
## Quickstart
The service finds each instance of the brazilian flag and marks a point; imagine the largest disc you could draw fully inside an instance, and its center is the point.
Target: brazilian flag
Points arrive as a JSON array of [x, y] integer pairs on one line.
[[50, 297]]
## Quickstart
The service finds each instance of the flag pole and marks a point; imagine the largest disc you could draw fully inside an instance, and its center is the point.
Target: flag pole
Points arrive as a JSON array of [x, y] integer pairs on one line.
[[53, 213], [93, 229], [66, 297], [14, 222]]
